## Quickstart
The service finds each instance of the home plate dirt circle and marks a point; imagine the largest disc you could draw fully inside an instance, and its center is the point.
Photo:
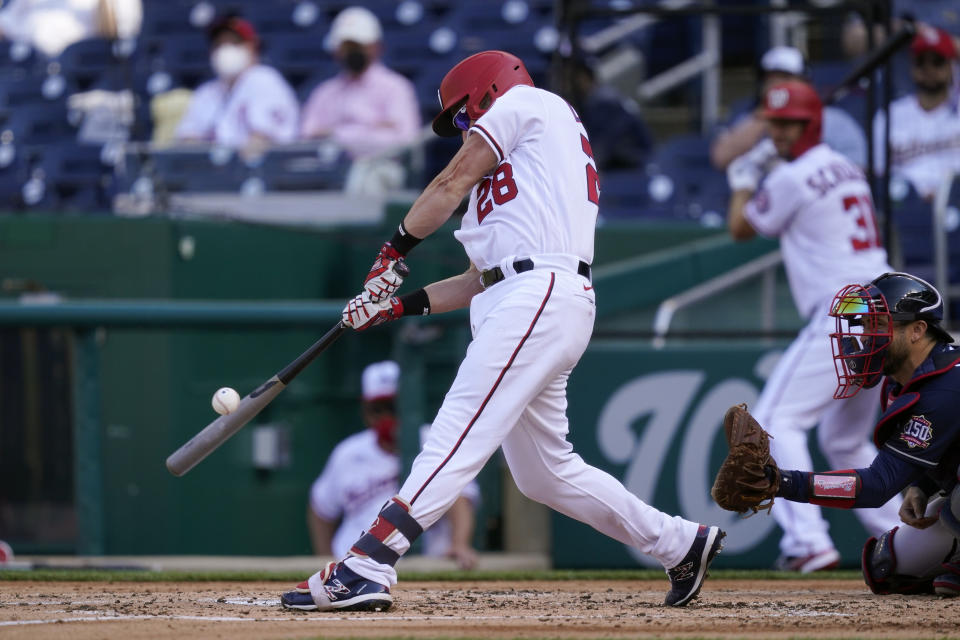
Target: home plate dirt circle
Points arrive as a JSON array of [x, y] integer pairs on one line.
[[527, 609]]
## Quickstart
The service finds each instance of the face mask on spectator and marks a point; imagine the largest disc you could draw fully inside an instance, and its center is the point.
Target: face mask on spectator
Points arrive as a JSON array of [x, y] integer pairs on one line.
[[229, 60], [356, 61]]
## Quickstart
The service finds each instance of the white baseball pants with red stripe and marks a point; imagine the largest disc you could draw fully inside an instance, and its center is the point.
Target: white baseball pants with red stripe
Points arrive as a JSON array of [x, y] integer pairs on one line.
[[798, 396], [529, 331]]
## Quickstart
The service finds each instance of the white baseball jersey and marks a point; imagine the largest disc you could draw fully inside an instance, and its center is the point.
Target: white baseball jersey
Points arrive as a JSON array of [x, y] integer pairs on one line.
[[820, 207], [529, 331], [924, 145], [260, 101], [530, 206], [356, 482]]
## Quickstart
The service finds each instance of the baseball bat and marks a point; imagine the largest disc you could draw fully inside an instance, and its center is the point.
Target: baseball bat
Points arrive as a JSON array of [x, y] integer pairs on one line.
[[874, 60], [220, 430]]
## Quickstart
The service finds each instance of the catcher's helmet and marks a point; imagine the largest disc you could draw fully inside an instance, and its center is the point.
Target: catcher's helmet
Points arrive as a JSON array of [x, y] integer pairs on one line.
[[861, 339], [475, 83], [796, 100]]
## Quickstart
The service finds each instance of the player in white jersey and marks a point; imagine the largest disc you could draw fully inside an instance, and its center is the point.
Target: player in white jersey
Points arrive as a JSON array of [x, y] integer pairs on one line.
[[363, 473], [925, 125], [528, 231], [819, 204]]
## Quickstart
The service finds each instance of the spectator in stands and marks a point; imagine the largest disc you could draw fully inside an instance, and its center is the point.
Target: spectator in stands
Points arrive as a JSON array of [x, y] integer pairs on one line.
[[366, 109], [747, 128], [925, 125], [50, 26], [363, 472], [618, 135], [248, 106]]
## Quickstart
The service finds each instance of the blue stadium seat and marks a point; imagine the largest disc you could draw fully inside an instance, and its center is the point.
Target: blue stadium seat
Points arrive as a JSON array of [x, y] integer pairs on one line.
[[186, 57], [40, 124], [14, 166], [692, 184], [163, 18], [83, 63], [297, 56], [76, 178], [18, 59], [185, 171], [301, 169]]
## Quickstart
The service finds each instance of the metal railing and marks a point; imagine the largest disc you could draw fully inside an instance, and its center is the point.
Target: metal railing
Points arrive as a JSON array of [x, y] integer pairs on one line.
[[765, 265], [941, 254]]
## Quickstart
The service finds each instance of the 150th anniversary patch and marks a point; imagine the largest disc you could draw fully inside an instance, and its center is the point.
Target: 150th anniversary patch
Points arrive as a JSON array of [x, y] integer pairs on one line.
[[917, 433]]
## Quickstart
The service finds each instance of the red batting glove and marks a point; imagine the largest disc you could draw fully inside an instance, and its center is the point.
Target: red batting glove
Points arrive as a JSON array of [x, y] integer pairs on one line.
[[386, 275], [362, 313]]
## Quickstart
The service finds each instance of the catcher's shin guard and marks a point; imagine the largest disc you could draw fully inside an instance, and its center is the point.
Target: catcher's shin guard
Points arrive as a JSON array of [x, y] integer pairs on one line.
[[879, 564]]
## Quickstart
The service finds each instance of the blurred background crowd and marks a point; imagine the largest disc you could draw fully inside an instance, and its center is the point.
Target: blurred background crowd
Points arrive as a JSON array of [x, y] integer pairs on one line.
[[114, 105]]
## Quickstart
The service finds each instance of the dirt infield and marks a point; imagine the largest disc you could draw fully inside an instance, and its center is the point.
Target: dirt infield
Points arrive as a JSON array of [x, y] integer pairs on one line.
[[572, 609]]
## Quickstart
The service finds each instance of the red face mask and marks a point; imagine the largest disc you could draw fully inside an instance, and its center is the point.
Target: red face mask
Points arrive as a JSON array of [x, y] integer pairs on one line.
[[385, 427]]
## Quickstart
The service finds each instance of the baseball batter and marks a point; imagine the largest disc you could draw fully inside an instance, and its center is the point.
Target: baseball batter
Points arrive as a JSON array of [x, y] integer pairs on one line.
[[527, 165], [818, 204]]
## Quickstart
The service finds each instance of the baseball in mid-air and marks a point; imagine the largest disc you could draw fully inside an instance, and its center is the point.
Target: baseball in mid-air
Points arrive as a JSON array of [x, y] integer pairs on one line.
[[225, 400]]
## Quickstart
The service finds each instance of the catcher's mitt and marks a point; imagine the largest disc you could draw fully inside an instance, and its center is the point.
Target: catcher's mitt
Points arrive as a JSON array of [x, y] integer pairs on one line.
[[742, 484]]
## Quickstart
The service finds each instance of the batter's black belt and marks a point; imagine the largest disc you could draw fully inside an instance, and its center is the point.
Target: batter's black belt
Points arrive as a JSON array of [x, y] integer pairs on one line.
[[493, 276]]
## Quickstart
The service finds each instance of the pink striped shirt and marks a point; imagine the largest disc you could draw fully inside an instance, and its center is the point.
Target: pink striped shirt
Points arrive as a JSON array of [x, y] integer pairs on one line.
[[363, 115]]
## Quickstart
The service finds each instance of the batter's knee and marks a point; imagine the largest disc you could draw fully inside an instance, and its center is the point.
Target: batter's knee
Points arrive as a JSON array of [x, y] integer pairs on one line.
[[879, 564]]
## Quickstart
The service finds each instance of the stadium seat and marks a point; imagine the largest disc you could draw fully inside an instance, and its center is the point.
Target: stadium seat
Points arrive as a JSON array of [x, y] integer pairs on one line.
[[76, 178], [301, 169], [297, 56], [680, 173], [163, 18], [184, 171], [40, 124], [83, 63], [186, 57]]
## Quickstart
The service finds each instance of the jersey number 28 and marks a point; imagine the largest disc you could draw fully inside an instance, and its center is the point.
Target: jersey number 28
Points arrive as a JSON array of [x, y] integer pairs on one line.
[[501, 187]]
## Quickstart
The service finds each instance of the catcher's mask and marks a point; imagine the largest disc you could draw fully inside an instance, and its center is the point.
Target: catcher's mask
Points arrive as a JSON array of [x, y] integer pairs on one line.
[[864, 320], [474, 84]]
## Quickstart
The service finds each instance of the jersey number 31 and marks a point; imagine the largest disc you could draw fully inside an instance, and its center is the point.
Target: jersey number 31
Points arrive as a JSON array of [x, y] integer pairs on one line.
[[866, 235]]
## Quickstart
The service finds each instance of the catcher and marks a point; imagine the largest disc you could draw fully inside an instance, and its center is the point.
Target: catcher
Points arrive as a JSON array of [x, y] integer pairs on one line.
[[889, 327]]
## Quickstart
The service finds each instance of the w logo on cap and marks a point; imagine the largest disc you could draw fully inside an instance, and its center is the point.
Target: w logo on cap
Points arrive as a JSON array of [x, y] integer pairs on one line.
[[778, 98]]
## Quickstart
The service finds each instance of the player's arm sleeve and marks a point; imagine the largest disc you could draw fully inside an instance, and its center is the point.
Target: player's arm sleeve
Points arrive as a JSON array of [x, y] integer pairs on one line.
[[772, 207], [886, 476], [273, 111], [510, 118], [872, 486]]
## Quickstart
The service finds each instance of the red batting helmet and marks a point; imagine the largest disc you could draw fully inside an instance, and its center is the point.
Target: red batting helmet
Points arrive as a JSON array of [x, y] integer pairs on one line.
[[796, 100], [477, 82]]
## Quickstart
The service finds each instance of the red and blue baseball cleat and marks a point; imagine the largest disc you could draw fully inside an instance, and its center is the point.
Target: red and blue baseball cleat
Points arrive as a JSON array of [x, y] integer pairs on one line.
[[340, 590], [948, 584], [687, 577]]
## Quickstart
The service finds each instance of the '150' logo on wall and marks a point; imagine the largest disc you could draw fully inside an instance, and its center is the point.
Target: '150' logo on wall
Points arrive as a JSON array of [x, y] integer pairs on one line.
[[664, 398]]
